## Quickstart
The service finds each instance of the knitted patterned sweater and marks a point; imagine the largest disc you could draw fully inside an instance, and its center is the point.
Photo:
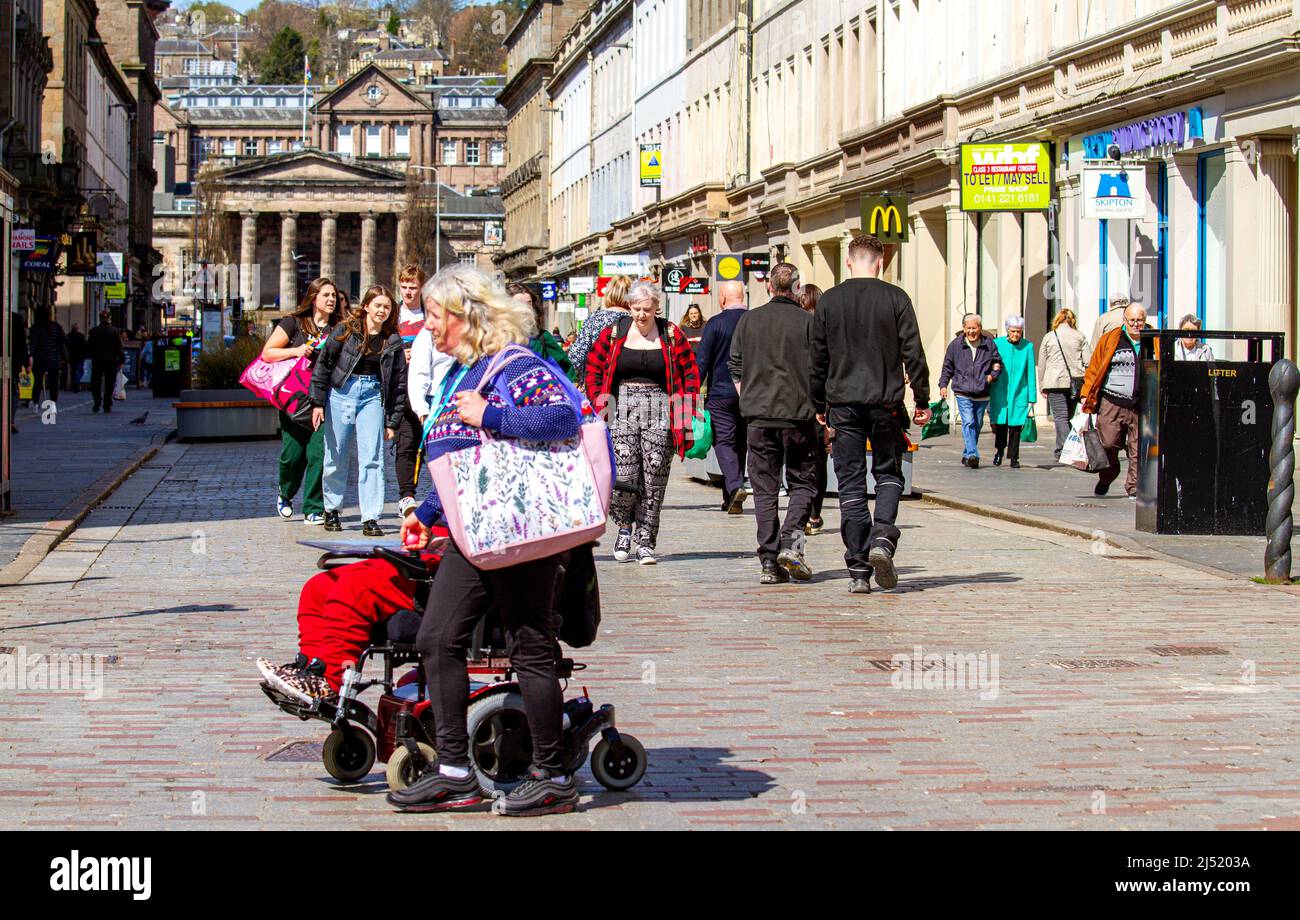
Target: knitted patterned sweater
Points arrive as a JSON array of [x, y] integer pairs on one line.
[[525, 401]]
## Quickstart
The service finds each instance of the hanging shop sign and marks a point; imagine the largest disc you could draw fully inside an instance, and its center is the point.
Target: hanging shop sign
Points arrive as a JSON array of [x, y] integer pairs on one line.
[[582, 284], [652, 165], [22, 240], [634, 265], [757, 262], [108, 268], [115, 293], [1114, 193], [885, 217], [728, 266], [1176, 129], [677, 281], [43, 256], [700, 244], [494, 233], [82, 258], [548, 290], [1006, 177]]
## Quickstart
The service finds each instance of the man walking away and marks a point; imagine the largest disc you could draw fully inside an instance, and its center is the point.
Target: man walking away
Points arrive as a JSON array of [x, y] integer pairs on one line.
[[971, 364], [104, 346], [1111, 387], [76, 357], [723, 403], [770, 363], [864, 334], [49, 354]]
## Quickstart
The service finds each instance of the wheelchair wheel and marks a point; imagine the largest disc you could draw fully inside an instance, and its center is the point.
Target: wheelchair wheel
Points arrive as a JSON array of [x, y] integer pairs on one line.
[[618, 766], [348, 754], [403, 769], [499, 741]]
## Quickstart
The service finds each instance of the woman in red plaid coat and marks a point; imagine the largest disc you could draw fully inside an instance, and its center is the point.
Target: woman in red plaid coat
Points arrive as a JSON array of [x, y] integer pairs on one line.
[[641, 374]]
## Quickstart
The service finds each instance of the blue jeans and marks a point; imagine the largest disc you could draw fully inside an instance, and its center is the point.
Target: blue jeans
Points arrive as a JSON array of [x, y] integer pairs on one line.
[[972, 420], [355, 416]]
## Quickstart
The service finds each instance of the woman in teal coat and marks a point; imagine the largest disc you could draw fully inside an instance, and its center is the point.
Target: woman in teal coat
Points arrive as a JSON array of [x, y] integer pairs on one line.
[[1013, 393]]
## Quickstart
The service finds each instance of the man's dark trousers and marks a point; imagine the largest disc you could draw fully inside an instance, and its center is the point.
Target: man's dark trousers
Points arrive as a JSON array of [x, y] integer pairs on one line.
[[769, 450], [729, 441], [103, 375], [854, 426]]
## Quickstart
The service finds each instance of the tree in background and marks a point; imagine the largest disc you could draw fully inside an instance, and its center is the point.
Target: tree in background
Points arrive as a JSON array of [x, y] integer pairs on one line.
[[208, 15], [282, 61], [394, 24], [433, 20], [477, 33]]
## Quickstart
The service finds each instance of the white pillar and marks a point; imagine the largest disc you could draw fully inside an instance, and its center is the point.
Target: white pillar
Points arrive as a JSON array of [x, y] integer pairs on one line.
[[288, 267], [1276, 197], [250, 274], [367, 250], [329, 229]]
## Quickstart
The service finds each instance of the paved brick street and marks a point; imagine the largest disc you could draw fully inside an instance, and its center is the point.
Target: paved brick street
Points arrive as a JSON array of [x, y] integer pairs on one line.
[[763, 707]]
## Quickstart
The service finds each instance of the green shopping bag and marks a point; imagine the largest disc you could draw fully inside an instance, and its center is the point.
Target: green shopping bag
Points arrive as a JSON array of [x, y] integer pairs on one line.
[[1029, 434], [940, 421], [702, 432]]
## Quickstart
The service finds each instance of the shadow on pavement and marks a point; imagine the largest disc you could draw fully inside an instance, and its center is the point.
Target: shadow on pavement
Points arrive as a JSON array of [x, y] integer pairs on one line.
[[185, 608]]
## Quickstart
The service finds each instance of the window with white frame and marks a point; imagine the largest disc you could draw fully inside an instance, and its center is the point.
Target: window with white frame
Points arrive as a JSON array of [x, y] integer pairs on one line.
[[273, 147], [449, 153], [228, 148], [497, 153], [471, 153], [343, 142], [402, 140], [373, 148], [466, 258]]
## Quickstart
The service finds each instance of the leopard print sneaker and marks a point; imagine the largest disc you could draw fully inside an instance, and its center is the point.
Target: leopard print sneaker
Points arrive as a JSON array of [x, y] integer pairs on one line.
[[298, 683]]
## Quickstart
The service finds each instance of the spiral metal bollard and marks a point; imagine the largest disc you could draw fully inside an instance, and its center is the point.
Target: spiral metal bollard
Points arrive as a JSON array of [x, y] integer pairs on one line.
[[1284, 383]]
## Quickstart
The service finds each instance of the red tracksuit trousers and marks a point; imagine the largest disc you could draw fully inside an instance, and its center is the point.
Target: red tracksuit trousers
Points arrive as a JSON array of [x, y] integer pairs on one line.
[[338, 608]]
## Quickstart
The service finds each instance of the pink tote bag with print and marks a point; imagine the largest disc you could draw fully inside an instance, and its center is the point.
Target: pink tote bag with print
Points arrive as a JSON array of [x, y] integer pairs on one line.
[[284, 384], [509, 501]]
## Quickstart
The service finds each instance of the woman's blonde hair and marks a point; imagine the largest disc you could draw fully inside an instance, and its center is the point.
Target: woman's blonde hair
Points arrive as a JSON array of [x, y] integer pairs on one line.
[[492, 319], [616, 292], [1065, 316]]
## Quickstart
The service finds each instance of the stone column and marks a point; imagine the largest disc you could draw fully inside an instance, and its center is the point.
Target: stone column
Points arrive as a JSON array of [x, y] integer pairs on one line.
[[1277, 193], [329, 232], [288, 267], [400, 249], [367, 250], [250, 274], [958, 305]]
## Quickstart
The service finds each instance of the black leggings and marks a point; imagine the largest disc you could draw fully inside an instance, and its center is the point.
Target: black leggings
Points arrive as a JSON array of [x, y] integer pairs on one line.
[[524, 597], [406, 446], [1007, 437]]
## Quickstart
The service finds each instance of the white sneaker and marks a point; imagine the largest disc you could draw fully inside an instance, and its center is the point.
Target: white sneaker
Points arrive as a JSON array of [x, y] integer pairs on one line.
[[283, 508], [623, 546], [406, 506], [316, 519], [646, 556]]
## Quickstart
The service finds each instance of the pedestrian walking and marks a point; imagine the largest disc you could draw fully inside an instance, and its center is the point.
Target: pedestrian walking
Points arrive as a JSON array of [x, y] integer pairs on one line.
[[104, 346], [49, 355], [474, 320], [643, 364], [358, 394], [19, 361], [722, 400], [302, 448], [542, 344], [427, 371], [971, 364], [693, 325], [1062, 359], [1191, 347], [1112, 319], [1014, 394], [1111, 389], [76, 357], [406, 446], [864, 335], [771, 365], [615, 309], [809, 294]]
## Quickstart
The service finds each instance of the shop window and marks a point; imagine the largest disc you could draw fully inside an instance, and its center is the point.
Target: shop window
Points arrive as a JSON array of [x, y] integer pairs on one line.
[[1212, 241]]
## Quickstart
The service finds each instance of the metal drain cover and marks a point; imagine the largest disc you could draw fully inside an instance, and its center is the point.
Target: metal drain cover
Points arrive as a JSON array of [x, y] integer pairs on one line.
[[1093, 664], [1172, 651], [297, 752]]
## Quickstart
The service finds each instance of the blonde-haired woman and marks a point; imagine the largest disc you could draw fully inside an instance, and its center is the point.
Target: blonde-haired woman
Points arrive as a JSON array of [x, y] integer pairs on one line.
[[1062, 359], [473, 319], [616, 307]]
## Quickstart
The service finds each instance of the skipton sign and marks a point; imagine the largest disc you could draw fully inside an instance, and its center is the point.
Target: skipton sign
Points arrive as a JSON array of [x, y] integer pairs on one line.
[[1009, 176]]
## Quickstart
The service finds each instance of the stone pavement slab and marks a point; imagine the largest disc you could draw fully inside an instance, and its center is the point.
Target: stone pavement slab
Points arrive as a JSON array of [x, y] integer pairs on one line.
[[1057, 495], [1086, 688]]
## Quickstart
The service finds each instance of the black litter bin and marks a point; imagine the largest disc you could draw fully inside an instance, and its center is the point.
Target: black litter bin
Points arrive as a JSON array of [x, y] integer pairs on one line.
[[171, 364], [1205, 433]]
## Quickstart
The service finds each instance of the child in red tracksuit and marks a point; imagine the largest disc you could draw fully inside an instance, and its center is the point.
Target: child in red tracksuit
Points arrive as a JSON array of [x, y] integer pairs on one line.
[[336, 612]]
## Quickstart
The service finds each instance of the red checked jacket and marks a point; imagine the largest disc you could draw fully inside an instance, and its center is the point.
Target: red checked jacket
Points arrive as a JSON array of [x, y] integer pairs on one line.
[[679, 359]]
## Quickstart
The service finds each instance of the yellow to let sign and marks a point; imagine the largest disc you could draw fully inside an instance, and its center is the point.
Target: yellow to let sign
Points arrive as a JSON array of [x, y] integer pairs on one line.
[[652, 165], [728, 267], [1006, 177]]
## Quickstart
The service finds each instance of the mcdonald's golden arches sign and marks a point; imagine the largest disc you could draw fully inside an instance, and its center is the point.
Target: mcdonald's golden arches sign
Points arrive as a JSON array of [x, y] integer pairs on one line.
[[885, 217]]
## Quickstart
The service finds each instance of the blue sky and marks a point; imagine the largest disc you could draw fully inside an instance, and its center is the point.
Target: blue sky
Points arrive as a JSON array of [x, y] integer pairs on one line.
[[245, 5]]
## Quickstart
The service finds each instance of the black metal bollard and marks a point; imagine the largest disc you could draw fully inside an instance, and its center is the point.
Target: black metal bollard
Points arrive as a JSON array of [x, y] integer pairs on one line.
[[1284, 383]]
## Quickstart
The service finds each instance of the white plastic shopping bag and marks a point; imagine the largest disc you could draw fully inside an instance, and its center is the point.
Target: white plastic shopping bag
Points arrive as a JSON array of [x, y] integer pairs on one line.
[[119, 388]]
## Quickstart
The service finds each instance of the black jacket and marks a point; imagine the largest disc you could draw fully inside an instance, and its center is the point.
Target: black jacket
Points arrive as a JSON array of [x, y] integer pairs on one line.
[[104, 344], [771, 354], [864, 334], [969, 373], [338, 359]]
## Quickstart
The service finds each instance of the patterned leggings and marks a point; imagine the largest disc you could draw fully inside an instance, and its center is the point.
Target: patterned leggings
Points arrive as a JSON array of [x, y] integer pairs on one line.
[[643, 452]]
